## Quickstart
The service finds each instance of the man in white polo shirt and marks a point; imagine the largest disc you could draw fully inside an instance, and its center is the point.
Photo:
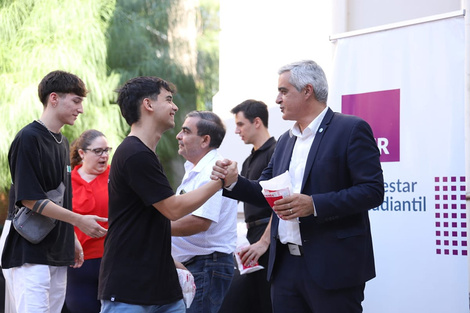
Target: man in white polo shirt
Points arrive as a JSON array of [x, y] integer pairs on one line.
[[204, 241]]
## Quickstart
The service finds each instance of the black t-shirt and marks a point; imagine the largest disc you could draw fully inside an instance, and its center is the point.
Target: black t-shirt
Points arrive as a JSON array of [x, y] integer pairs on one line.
[[251, 169], [39, 164], [137, 266]]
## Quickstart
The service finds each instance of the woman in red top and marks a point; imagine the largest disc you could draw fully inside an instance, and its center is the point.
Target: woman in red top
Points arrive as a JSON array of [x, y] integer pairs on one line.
[[90, 170]]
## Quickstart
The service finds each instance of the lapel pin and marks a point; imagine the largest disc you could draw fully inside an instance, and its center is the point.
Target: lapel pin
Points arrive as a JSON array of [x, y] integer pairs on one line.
[[320, 130]]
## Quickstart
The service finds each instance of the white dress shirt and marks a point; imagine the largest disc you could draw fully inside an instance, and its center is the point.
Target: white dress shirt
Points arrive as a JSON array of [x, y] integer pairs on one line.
[[289, 231]]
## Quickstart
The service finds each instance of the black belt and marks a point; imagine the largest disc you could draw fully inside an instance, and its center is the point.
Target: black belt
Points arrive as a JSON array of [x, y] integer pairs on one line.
[[212, 256], [258, 222]]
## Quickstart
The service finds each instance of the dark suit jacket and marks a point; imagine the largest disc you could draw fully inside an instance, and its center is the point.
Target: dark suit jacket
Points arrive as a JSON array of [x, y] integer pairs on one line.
[[344, 177]]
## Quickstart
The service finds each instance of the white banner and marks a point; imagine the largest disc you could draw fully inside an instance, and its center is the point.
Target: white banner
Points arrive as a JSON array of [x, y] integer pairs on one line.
[[408, 83]]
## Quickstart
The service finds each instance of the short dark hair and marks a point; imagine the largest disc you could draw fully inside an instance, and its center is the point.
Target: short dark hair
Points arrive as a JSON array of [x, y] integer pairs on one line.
[[82, 142], [62, 83], [209, 124], [131, 94], [253, 109]]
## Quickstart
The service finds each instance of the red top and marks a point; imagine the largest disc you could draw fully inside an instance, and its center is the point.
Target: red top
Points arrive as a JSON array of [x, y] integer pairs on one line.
[[90, 198]]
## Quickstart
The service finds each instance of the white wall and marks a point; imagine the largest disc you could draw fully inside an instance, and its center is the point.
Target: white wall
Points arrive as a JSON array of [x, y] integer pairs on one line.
[[259, 36], [256, 38], [370, 13]]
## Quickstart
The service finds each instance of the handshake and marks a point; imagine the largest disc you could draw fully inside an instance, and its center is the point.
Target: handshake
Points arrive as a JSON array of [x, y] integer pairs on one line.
[[277, 191], [225, 170]]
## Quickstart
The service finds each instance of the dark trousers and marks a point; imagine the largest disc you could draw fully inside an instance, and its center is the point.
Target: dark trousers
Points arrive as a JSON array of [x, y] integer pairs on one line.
[[248, 293], [293, 290], [82, 288]]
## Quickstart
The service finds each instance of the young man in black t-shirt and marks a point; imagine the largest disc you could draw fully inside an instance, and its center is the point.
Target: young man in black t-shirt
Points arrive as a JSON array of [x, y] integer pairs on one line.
[[137, 270], [35, 274]]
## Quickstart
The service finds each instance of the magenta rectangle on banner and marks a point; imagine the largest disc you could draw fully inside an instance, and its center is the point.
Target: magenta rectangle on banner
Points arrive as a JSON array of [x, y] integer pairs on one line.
[[381, 109]]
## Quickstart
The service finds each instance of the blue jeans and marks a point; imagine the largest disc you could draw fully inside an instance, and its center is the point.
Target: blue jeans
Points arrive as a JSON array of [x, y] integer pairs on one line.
[[121, 307], [212, 275]]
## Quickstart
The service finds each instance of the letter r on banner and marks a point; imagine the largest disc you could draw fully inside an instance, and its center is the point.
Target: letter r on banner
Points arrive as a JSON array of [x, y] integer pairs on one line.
[[381, 109]]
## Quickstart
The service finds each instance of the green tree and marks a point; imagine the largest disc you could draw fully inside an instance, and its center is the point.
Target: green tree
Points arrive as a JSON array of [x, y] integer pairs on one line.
[[37, 37], [144, 41], [105, 42], [208, 53]]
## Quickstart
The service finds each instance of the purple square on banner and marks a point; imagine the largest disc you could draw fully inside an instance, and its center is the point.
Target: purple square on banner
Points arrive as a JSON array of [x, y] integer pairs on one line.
[[446, 251], [454, 215], [454, 224], [438, 205], [446, 215], [455, 252], [464, 234], [438, 215], [438, 251], [436, 197], [438, 224], [446, 233], [438, 233], [445, 197], [438, 242], [453, 188], [463, 215], [446, 224], [462, 197], [436, 179], [446, 206], [455, 243], [462, 206], [464, 252], [381, 109], [454, 234], [446, 242], [436, 188], [445, 188], [464, 243], [454, 206], [453, 179], [462, 188], [462, 178], [444, 179], [464, 224]]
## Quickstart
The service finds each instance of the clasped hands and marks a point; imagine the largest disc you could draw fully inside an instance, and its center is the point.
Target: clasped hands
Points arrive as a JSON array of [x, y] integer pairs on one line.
[[291, 207], [225, 169]]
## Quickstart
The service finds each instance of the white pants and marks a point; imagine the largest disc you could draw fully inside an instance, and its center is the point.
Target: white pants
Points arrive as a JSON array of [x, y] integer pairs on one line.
[[36, 288], [9, 300]]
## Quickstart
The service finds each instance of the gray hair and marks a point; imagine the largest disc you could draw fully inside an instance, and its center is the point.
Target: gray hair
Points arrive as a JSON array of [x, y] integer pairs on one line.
[[307, 72]]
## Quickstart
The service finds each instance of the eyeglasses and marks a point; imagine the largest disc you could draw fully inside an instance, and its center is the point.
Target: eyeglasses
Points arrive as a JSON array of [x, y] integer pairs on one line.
[[100, 151]]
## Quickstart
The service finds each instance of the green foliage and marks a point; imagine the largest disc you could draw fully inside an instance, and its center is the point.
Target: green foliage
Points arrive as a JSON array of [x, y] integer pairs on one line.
[[208, 53], [105, 42], [139, 46], [37, 37]]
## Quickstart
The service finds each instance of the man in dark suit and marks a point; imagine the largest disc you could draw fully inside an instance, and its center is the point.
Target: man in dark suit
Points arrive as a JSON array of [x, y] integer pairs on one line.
[[321, 247]]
